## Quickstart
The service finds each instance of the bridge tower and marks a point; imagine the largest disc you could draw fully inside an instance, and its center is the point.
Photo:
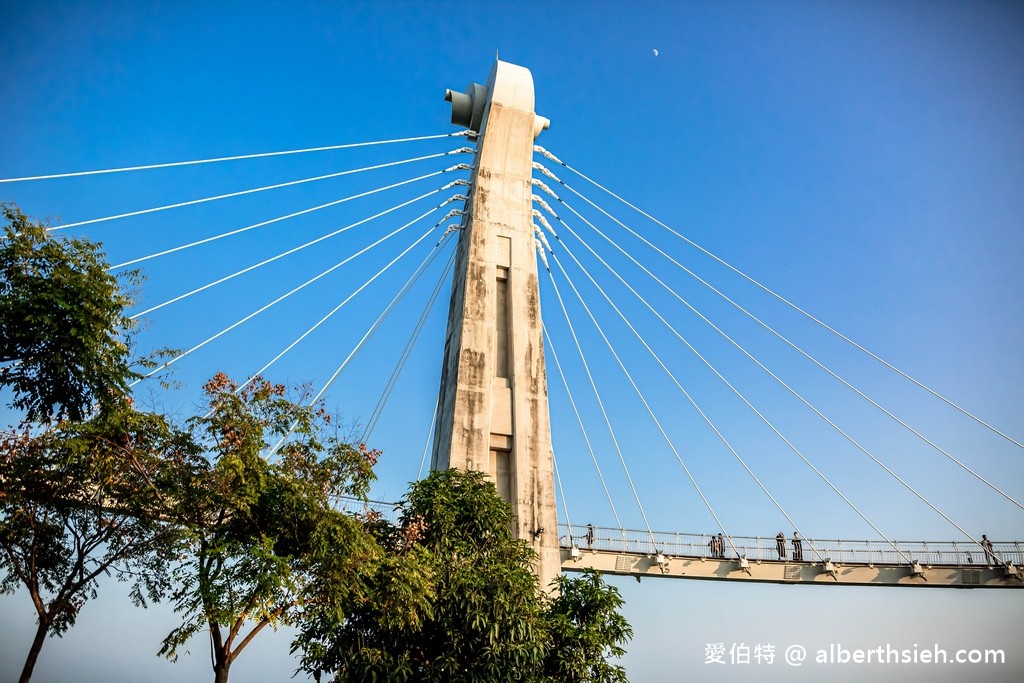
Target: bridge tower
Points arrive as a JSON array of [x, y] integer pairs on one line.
[[493, 404]]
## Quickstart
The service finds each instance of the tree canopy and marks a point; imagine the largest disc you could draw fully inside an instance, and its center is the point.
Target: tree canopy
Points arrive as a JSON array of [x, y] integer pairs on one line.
[[587, 631], [255, 507], [63, 330], [235, 516], [483, 616], [80, 502]]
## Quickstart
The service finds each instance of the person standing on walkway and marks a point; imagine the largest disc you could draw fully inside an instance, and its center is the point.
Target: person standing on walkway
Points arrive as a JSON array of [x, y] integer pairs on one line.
[[990, 557], [780, 545], [798, 548]]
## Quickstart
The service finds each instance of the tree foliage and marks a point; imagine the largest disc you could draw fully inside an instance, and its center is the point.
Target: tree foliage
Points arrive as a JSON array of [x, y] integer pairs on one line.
[[80, 502], [256, 523], [236, 519], [587, 631], [475, 612], [63, 332]]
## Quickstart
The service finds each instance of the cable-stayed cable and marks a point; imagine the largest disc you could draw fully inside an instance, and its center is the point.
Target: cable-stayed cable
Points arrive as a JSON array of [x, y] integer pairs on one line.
[[413, 337], [583, 429], [650, 411], [769, 329], [561, 493], [426, 262], [289, 293], [369, 333], [193, 202], [430, 434], [910, 488], [721, 377], [259, 155], [764, 419], [289, 252], [600, 403], [294, 214], [366, 336], [781, 298]]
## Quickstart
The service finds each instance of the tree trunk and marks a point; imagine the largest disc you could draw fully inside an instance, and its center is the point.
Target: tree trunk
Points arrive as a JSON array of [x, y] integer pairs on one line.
[[220, 667], [33, 652], [220, 673]]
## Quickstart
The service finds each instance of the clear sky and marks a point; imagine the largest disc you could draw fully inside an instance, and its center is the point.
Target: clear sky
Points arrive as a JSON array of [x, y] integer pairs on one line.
[[865, 160]]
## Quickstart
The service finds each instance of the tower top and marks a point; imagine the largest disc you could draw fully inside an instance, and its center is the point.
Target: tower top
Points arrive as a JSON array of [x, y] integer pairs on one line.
[[508, 85]]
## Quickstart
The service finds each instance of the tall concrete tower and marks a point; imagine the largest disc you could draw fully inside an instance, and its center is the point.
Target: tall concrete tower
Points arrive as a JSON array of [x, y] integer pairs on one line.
[[493, 410]]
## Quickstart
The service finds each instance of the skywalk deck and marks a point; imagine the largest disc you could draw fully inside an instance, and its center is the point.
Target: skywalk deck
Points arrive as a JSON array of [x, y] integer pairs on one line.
[[948, 564]]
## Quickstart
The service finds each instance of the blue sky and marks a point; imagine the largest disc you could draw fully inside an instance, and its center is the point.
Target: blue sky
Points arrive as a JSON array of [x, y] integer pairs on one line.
[[864, 160]]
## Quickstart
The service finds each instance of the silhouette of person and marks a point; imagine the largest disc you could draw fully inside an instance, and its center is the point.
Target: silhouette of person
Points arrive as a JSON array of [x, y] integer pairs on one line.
[[590, 536], [798, 548], [721, 546], [990, 556], [780, 545]]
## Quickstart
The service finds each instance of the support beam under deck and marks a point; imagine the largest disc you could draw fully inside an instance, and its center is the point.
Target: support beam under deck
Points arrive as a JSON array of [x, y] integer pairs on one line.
[[779, 571]]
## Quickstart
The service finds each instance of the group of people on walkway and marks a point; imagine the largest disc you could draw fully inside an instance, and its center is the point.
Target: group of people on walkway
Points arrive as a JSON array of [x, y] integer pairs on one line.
[[717, 545], [798, 547]]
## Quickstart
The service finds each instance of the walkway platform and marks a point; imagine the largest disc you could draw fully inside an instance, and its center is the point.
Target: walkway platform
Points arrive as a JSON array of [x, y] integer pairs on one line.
[[630, 552], [826, 562]]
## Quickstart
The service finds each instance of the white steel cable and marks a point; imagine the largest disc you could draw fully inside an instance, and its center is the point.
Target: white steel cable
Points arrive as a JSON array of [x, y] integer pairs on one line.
[[403, 359], [766, 327], [721, 377], [231, 158], [781, 298], [430, 434], [287, 216], [286, 253], [832, 424], [561, 493], [604, 412], [715, 370], [426, 262], [362, 341], [369, 333], [193, 202], [583, 430], [657, 423], [288, 294]]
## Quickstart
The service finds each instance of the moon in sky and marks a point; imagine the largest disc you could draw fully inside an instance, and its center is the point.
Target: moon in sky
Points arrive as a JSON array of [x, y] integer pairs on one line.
[[655, 53]]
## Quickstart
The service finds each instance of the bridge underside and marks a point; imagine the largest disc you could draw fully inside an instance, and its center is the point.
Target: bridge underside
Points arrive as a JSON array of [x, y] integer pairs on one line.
[[642, 565]]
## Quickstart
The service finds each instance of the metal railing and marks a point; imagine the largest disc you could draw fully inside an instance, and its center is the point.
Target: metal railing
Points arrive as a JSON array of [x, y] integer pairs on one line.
[[358, 506], [758, 548], [766, 548]]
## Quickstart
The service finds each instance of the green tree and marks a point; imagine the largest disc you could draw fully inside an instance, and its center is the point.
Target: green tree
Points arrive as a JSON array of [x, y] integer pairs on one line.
[[80, 502], [397, 599], [63, 332], [256, 522], [480, 615], [586, 631]]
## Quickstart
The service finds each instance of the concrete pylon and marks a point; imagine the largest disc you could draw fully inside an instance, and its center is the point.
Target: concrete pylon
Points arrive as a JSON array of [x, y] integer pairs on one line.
[[493, 409]]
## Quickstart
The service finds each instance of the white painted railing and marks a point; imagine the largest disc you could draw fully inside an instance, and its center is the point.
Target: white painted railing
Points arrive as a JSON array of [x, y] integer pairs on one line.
[[759, 548]]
